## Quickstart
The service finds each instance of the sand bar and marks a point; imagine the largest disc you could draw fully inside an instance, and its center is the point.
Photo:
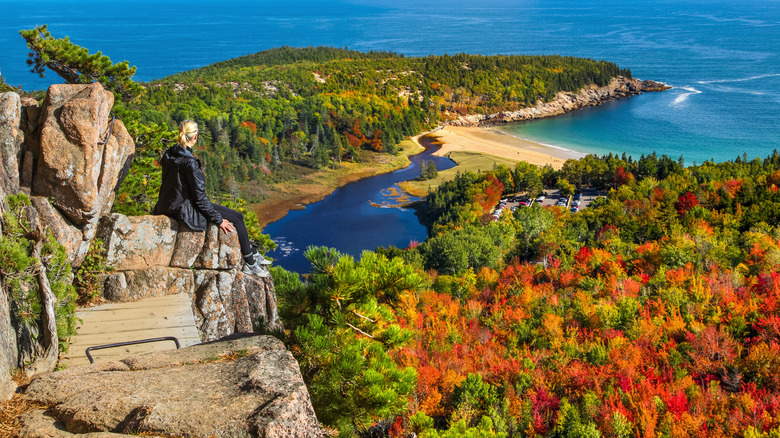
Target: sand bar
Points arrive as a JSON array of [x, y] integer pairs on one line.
[[495, 142]]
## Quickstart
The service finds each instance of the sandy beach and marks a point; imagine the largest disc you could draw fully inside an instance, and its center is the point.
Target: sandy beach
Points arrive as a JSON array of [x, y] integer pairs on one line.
[[495, 142], [452, 138]]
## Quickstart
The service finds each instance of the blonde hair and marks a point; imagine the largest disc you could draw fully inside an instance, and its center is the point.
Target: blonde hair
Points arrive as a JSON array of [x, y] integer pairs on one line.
[[187, 131]]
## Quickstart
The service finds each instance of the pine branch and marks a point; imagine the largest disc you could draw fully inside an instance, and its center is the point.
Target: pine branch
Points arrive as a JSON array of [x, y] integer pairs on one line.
[[75, 65]]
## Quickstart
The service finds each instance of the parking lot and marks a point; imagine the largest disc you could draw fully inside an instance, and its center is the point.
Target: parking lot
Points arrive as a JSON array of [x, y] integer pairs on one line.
[[588, 196], [551, 198]]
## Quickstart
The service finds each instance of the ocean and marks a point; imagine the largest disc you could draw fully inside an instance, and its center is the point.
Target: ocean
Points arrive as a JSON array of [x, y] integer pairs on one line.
[[721, 57]]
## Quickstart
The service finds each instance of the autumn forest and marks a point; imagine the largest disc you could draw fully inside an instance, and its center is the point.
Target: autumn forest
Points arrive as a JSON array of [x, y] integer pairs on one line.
[[653, 312]]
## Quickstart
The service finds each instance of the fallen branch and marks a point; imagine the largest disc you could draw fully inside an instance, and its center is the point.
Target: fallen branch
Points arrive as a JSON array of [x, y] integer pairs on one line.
[[48, 301], [364, 317], [358, 330]]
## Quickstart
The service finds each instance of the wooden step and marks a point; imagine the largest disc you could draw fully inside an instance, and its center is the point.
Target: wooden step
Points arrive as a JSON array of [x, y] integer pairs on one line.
[[169, 315]]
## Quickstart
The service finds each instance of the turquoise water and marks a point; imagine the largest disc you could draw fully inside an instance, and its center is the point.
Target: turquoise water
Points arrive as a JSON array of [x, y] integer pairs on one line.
[[722, 57]]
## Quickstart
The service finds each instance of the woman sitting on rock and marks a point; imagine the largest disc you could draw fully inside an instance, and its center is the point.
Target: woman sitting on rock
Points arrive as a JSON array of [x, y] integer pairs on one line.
[[183, 197]]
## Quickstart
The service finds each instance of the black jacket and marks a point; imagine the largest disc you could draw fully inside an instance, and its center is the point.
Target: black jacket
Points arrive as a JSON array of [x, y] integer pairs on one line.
[[183, 190]]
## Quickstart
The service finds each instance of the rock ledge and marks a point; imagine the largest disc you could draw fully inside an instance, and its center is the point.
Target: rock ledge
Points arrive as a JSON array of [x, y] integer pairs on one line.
[[239, 387]]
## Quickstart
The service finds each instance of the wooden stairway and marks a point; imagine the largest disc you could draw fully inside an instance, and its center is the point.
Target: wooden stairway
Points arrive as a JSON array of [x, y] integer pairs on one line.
[[169, 315]]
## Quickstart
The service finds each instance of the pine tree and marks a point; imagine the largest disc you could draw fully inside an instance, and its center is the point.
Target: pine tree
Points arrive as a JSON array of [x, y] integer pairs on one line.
[[74, 63], [346, 336], [428, 170], [432, 172], [423, 170], [337, 149]]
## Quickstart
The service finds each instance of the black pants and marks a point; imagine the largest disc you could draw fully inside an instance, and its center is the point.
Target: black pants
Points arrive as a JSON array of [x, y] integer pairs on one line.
[[237, 219]]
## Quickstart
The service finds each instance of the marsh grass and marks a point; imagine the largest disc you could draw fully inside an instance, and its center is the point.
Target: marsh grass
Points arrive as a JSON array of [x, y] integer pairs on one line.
[[465, 161]]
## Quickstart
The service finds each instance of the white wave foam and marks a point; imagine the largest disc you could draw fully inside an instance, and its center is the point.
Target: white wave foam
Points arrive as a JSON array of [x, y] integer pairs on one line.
[[684, 96], [570, 151], [751, 22], [727, 89], [750, 78]]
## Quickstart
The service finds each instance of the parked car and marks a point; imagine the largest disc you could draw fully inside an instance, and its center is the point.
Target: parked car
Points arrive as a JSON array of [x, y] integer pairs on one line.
[[574, 209], [575, 203], [577, 197], [540, 199]]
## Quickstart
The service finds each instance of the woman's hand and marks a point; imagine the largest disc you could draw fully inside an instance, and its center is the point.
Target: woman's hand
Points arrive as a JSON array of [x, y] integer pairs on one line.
[[227, 226]]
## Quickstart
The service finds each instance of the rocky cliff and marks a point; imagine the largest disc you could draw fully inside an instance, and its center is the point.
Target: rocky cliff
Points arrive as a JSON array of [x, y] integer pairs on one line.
[[68, 155], [154, 255], [565, 101]]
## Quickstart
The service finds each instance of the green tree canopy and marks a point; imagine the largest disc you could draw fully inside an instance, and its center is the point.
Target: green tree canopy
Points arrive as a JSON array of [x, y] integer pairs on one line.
[[346, 335]]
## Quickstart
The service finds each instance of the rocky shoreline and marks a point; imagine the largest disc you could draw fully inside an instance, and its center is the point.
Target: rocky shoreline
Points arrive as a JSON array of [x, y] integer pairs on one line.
[[565, 101]]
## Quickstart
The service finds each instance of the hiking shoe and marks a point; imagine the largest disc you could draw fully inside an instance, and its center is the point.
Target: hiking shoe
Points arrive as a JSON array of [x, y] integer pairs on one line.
[[262, 260], [256, 270]]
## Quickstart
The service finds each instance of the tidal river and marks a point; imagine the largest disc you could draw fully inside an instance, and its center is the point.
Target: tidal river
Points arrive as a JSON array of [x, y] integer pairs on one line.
[[347, 220]]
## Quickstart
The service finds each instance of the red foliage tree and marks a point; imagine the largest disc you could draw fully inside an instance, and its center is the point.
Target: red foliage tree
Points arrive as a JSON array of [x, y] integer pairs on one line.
[[250, 125], [621, 176], [685, 203], [493, 192], [583, 255], [490, 194], [677, 404], [354, 141]]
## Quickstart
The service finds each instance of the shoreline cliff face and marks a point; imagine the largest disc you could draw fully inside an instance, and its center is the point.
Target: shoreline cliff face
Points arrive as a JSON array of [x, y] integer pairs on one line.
[[565, 101]]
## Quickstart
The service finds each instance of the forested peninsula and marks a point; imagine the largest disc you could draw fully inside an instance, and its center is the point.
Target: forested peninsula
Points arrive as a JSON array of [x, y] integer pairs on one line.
[[279, 122]]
